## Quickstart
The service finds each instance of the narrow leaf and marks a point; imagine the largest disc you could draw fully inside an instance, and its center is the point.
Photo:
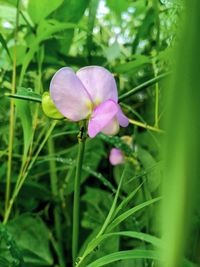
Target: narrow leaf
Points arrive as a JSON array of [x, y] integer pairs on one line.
[[125, 255], [3, 42], [130, 212]]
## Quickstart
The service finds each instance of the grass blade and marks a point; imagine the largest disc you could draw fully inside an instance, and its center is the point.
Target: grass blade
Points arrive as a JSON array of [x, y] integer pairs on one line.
[[125, 255], [127, 200], [130, 212], [3, 42], [112, 209]]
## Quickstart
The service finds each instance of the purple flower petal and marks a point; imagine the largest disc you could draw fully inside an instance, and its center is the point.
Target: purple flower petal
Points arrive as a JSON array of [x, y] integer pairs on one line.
[[102, 116], [69, 95], [99, 82], [112, 128], [123, 120], [116, 156]]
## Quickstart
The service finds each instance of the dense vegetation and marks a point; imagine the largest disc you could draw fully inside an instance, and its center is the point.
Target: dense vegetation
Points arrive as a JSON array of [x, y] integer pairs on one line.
[[120, 222]]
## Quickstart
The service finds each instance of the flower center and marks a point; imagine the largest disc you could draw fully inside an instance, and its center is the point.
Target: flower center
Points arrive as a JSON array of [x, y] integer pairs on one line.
[[97, 102]]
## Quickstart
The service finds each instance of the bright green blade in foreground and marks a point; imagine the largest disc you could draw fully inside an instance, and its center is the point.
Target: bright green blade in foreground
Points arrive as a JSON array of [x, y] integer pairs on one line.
[[182, 146]]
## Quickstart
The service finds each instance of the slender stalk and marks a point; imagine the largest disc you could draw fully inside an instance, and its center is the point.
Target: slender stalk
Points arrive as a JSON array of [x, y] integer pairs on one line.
[[156, 106], [145, 126], [12, 113], [22, 180], [57, 208], [28, 155], [143, 86], [29, 98], [156, 8], [156, 112], [76, 207]]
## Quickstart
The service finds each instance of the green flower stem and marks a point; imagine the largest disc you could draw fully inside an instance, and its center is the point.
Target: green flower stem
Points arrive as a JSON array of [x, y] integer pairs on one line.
[[12, 114], [75, 234], [22, 180]]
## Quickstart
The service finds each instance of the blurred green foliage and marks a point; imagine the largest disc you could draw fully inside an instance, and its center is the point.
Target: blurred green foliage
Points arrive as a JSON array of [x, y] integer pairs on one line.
[[133, 39]]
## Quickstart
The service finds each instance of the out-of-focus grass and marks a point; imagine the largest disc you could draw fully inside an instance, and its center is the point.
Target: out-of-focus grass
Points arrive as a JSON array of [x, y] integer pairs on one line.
[[182, 145]]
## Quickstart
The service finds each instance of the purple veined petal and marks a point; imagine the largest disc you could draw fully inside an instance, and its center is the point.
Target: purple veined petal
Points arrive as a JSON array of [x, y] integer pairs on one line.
[[112, 127], [69, 95], [102, 116], [123, 120], [116, 156], [99, 82]]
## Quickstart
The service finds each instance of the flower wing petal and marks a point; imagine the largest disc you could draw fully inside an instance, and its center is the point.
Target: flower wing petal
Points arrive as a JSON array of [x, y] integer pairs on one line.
[[123, 120], [102, 116], [112, 128], [99, 82], [69, 95]]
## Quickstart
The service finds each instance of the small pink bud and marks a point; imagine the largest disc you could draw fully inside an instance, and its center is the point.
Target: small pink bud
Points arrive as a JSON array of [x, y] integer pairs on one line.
[[116, 156]]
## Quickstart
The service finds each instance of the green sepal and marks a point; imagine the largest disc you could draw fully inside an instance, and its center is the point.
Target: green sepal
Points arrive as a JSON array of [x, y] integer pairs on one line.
[[49, 108]]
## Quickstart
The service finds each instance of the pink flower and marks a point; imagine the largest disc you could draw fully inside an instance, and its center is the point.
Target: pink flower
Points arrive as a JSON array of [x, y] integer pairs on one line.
[[116, 156], [91, 94]]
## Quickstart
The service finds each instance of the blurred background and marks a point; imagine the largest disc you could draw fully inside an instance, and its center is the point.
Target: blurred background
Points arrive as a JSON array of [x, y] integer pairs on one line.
[[134, 40]]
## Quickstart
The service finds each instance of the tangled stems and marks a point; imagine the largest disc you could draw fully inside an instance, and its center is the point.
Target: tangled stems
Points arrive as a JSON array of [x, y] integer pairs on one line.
[[12, 113], [22, 179], [81, 148]]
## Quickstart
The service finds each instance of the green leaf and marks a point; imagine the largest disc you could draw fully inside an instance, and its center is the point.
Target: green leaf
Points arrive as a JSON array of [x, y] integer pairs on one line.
[[92, 244], [47, 28], [112, 52], [4, 44], [142, 236], [125, 201], [9, 251], [132, 234], [148, 162], [130, 212], [124, 255], [38, 10], [26, 94], [118, 6], [91, 162], [138, 235], [38, 191], [45, 31], [7, 12], [32, 237], [112, 209], [93, 6], [4, 262], [24, 113], [70, 11], [97, 202], [132, 66], [105, 181], [144, 29]]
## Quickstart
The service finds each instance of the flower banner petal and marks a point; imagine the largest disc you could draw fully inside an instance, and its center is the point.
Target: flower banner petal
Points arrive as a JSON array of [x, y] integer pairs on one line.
[[99, 82], [102, 116], [69, 95]]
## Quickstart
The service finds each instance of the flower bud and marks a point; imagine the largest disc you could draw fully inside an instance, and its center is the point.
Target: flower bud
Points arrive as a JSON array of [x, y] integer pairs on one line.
[[49, 108]]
